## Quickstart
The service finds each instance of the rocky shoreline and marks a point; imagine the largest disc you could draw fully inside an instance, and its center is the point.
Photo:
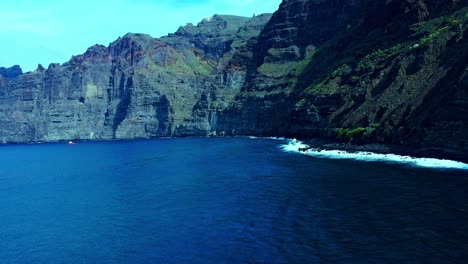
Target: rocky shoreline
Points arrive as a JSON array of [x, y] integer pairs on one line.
[[417, 152]]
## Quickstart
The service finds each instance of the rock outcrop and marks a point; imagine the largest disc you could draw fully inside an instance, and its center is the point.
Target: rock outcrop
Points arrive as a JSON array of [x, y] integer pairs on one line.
[[11, 72]]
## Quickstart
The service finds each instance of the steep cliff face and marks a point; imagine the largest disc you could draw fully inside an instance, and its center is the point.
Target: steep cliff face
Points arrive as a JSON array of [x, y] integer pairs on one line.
[[138, 87], [285, 48], [360, 71]]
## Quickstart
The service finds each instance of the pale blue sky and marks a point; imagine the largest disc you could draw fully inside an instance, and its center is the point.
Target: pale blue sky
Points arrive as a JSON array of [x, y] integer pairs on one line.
[[47, 31]]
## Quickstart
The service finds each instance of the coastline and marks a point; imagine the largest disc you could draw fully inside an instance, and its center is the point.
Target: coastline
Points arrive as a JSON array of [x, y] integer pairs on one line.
[[312, 143], [375, 152]]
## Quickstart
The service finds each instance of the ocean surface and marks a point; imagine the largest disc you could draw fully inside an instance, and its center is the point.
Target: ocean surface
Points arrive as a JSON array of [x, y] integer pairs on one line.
[[226, 200]]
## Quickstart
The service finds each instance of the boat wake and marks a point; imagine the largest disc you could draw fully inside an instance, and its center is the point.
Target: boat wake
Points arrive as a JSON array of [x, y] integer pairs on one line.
[[297, 146]]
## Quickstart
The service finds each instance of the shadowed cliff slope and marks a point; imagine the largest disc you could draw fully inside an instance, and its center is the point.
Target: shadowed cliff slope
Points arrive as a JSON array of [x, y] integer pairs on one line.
[[360, 71]]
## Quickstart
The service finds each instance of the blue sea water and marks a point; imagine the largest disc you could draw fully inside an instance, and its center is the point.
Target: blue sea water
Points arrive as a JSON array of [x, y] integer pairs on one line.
[[223, 200]]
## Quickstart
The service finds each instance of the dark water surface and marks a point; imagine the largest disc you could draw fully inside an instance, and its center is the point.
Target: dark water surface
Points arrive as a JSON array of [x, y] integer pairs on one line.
[[223, 200]]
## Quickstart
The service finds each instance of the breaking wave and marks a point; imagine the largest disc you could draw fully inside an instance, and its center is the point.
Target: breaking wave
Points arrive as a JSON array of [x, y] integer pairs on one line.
[[294, 145]]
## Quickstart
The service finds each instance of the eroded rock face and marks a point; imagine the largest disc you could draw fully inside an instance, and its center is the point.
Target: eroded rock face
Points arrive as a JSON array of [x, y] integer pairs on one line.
[[138, 87], [299, 25]]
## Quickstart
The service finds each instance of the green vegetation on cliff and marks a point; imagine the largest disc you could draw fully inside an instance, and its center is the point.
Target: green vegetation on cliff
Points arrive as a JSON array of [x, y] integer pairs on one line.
[[355, 135]]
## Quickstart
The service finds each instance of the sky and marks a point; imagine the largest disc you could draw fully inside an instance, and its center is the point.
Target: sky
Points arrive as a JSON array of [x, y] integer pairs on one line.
[[51, 31]]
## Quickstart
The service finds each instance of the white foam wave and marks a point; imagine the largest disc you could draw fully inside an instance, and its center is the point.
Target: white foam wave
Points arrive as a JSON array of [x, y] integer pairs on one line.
[[295, 146], [272, 138], [277, 138]]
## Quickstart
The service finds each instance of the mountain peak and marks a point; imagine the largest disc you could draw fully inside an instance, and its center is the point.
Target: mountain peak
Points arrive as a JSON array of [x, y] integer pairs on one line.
[[11, 72], [214, 25]]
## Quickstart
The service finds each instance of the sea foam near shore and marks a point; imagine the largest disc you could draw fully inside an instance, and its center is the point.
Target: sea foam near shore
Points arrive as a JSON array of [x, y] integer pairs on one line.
[[294, 145]]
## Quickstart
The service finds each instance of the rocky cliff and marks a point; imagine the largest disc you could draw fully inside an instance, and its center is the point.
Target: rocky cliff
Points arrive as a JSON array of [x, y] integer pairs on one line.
[[360, 71], [137, 87]]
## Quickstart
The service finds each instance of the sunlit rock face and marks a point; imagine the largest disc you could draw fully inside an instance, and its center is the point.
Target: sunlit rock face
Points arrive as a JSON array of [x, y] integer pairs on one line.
[[137, 87]]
